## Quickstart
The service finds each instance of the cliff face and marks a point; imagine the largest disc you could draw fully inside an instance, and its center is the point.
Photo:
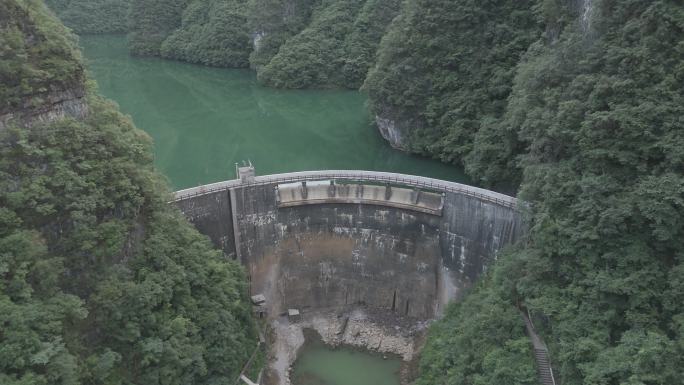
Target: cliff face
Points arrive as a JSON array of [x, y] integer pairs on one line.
[[101, 281], [54, 105], [41, 75]]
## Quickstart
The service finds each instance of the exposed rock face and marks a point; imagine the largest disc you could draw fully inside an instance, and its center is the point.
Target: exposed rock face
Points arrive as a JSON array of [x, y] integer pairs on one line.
[[256, 39], [52, 106], [43, 77], [587, 14], [391, 132]]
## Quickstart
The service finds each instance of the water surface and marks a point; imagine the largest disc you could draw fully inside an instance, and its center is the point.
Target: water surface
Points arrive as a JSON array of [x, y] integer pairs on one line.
[[203, 120], [318, 364]]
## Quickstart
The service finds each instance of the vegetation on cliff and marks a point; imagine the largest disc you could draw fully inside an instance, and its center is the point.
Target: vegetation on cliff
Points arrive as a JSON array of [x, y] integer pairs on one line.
[[480, 340], [273, 22], [212, 33], [151, 22], [92, 16], [101, 280], [446, 68], [594, 129], [36, 58], [291, 44], [335, 50]]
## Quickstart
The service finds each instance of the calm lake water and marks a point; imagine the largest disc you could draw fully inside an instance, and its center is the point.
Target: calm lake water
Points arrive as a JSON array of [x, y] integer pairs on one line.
[[203, 120], [318, 364]]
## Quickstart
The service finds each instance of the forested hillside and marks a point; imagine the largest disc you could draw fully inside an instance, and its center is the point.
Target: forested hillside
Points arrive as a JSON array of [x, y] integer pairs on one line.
[[101, 280], [335, 50], [92, 16], [290, 43], [594, 129], [445, 69], [151, 22], [211, 33]]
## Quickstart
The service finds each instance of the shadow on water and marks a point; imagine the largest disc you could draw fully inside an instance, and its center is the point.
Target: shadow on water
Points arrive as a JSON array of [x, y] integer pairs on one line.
[[203, 120], [319, 364]]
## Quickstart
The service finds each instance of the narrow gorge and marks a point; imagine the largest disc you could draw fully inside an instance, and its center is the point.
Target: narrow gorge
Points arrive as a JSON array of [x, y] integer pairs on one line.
[[425, 192]]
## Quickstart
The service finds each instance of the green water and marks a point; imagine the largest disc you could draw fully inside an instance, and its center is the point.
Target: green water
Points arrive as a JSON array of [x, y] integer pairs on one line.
[[318, 364], [203, 120]]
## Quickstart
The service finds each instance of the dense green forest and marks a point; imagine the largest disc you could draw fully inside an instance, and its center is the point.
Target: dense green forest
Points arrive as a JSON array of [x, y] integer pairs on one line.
[[446, 68], [335, 50], [211, 33], [290, 43], [54, 63], [593, 130], [480, 340], [93, 16], [101, 281]]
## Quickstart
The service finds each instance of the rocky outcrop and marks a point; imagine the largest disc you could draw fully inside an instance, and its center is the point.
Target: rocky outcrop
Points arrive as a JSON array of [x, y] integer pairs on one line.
[[257, 38], [391, 132], [43, 78], [47, 108]]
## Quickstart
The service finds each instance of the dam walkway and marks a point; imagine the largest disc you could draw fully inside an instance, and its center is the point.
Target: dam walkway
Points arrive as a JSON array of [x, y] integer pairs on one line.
[[353, 175]]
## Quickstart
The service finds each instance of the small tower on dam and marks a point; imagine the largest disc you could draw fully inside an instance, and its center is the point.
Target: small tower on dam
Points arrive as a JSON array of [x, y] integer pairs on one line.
[[246, 172], [334, 239]]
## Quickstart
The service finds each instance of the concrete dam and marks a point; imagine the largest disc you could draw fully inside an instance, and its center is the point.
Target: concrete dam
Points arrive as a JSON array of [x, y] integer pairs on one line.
[[401, 244]]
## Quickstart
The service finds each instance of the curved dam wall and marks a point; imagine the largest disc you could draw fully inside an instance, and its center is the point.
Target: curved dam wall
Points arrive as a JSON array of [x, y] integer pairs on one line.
[[327, 239]]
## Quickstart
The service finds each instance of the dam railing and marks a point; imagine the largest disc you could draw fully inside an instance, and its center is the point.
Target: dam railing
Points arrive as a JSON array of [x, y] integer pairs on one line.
[[353, 175]]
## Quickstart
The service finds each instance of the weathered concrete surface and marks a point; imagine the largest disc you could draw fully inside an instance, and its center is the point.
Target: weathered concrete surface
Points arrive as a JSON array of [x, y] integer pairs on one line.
[[472, 232], [320, 192], [212, 215], [337, 253], [354, 175]]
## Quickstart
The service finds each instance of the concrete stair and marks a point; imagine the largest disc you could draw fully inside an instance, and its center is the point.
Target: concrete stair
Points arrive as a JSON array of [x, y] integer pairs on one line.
[[544, 367], [541, 353]]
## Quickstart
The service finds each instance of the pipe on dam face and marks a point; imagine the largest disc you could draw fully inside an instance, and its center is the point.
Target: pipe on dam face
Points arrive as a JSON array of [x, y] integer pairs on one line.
[[403, 243]]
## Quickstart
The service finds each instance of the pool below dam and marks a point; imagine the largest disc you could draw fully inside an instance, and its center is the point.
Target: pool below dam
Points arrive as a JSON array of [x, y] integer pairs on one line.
[[320, 364]]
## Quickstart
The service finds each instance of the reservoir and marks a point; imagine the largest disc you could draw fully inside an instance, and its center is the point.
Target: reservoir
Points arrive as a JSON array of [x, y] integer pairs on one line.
[[203, 120]]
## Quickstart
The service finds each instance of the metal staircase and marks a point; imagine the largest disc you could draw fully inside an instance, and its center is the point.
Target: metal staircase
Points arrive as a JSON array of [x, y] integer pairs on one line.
[[541, 353], [544, 370]]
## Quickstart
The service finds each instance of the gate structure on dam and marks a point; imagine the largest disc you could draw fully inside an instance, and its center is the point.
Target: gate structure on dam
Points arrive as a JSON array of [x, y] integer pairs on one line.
[[326, 239]]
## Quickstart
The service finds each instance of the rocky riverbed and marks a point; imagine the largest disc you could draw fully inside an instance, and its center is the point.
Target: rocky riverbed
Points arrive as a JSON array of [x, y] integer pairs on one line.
[[362, 328]]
